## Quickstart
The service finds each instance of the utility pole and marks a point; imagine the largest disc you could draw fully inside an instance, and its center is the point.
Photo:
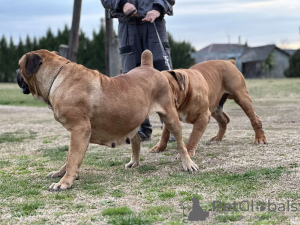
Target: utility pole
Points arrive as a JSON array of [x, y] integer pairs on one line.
[[74, 34], [109, 35]]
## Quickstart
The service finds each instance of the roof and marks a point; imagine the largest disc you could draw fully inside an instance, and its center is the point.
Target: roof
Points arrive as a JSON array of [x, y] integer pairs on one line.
[[219, 51], [290, 51], [258, 54], [223, 48]]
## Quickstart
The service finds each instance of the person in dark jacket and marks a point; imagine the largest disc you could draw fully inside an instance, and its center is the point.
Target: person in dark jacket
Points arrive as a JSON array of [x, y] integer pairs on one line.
[[137, 33]]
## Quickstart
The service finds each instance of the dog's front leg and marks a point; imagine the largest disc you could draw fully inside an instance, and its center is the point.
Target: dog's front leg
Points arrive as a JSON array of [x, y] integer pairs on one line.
[[198, 129], [135, 155], [80, 137]]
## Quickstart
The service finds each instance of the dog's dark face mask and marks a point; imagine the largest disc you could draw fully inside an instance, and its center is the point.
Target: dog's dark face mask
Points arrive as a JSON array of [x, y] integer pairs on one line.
[[24, 87]]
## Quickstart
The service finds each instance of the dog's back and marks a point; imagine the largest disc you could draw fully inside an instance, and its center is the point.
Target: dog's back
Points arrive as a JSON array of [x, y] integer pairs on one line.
[[221, 70]]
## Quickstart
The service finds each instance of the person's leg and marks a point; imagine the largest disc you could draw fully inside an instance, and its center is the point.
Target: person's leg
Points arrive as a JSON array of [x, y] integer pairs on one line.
[[146, 130], [130, 46], [131, 51], [151, 42]]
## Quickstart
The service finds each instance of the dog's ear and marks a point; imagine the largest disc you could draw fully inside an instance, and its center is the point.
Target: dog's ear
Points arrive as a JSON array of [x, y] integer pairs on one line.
[[179, 77], [56, 53], [33, 61]]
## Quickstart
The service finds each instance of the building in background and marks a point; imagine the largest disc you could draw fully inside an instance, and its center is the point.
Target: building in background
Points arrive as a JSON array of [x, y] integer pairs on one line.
[[220, 52], [267, 61]]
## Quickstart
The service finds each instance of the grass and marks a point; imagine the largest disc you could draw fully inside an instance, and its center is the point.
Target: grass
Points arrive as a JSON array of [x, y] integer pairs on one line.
[[116, 211], [158, 210], [17, 136], [27, 209], [295, 195], [130, 220], [274, 88], [4, 163], [167, 194], [117, 193], [229, 217], [57, 153], [106, 193], [11, 94]]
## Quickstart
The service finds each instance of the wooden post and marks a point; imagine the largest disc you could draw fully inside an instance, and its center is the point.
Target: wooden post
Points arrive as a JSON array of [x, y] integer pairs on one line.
[[108, 38], [74, 34]]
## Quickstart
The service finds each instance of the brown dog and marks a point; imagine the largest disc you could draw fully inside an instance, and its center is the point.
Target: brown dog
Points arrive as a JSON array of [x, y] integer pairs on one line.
[[200, 92], [99, 109]]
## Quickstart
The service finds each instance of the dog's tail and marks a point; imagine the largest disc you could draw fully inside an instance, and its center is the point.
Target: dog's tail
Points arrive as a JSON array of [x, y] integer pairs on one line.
[[147, 58], [232, 61]]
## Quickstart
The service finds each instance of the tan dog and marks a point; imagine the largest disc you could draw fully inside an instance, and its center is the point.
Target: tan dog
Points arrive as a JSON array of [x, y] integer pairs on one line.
[[99, 109], [200, 92]]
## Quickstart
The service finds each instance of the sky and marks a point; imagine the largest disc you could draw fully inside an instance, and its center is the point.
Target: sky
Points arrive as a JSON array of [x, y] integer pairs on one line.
[[200, 22]]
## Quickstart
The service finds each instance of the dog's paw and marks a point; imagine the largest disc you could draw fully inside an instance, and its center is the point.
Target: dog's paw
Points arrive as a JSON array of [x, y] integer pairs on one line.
[[60, 186], [55, 174], [157, 149], [189, 165], [260, 140], [216, 138], [190, 152], [132, 164]]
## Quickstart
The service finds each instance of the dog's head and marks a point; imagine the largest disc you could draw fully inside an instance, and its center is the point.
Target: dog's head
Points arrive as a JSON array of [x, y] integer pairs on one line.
[[29, 66]]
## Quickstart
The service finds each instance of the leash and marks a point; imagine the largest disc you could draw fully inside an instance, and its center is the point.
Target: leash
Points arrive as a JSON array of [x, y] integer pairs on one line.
[[165, 56], [48, 102]]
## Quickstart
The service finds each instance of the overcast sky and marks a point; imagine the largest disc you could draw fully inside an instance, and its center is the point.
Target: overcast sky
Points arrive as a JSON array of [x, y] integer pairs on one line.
[[201, 22]]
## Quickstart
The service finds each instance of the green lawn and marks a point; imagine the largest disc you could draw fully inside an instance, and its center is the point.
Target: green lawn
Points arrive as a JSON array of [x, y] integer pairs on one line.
[[32, 144], [11, 94]]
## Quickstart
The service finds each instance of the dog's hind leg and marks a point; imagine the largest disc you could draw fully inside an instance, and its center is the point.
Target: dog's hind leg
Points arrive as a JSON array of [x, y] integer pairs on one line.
[[135, 156], [162, 144], [243, 99], [222, 118]]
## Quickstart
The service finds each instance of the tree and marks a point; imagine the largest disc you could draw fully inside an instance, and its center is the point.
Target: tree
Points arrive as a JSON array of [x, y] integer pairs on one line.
[[91, 52], [294, 68], [13, 60], [49, 42], [28, 44], [181, 53], [4, 71], [95, 51], [268, 64]]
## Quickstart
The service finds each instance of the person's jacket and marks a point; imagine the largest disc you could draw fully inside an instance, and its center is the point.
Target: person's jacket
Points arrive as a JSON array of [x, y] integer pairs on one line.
[[142, 6]]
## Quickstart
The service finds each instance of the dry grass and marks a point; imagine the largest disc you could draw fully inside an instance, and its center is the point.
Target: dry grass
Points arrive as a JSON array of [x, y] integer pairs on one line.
[[232, 170]]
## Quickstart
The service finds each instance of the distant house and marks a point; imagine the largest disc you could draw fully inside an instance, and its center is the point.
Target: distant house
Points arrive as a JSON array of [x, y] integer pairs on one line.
[[290, 51], [220, 51], [264, 61], [253, 62]]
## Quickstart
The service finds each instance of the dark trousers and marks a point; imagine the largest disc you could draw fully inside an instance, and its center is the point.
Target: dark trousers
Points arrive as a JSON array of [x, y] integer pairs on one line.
[[135, 37]]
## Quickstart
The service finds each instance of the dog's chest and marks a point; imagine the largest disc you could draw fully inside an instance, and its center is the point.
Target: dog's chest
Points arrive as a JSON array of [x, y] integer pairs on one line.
[[182, 117]]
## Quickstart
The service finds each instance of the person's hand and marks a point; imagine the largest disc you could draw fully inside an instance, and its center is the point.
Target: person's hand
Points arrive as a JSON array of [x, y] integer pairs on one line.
[[151, 16], [128, 9]]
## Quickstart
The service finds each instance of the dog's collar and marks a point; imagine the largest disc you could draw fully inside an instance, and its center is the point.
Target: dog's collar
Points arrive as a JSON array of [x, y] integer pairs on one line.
[[47, 100]]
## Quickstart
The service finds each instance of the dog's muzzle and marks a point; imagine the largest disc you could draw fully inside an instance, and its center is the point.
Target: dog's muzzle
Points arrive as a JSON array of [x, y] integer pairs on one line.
[[24, 87]]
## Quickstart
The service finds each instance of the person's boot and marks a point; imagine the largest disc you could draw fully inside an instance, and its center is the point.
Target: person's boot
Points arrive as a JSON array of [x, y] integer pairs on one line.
[[146, 130], [172, 138]]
